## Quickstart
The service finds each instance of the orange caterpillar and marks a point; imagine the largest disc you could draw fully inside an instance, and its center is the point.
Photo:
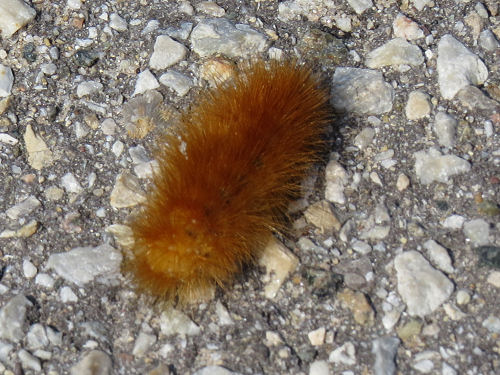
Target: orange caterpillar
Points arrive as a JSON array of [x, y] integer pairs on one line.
[[226, 176]]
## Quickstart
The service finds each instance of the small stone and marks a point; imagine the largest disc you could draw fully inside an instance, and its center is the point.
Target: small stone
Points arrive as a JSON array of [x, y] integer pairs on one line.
[[181, 33], [279, 263], [6, 80], [418, 105], [395, 52], [166, 52], [409, 333], [321, 215], [494, 278], [93, 363], [463, 297], [273, 339], [317, 337], [474, 99], [83, 264], [385, 349], [319, 368], [49, 69], [28, 361], [433, 166], [219, 36], [217, 70], [446, 369], [453, 312], [143, 343], [25, 231], [492, 324], [123, 235], [11, 21], [362, 91], [44, 280], [71, 184], [457, 67], [454, 222], [29, 269], [357, 303], [345, 354], [127, 191], [108, 126], [88, 88], [361, 247], [214, 370], [336, 178], [224, 316], [74, 4], [39, 155], [360, 6], [145, 81], [117, 148], [12, 318], [85, 57], [425, 366], [117, 23], [344, 23], [364, 138], [375, 232], [23, 208], [174, 322], [53, 193], [488, 41], [390, 319], [210, 8], [150, 27], [477, 231], [176, 81], [8, 139], [422, 287], [67, 295], [37, 337], [402, 182], [489, 255], [406, 28], [439, 256], [444, 127]]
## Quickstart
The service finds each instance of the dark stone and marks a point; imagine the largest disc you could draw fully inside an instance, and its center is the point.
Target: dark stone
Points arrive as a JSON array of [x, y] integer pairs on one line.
[[489, 255], [324, 283], [85, 57], [29, 52]]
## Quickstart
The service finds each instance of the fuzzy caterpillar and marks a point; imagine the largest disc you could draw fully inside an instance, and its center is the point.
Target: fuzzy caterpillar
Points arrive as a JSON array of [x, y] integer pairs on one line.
[[226, 176]]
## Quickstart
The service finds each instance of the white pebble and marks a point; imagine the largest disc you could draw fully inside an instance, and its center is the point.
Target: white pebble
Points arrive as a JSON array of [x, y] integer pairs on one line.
[[402, 182], [67, 295], [70, 183], [29, 269], [117, 23], [145, 81], [44, 280], [88, 88], [454, 222], [319, 368], [6, 80], [463, 297], [477, 231], [74, 4], [494, 278], [166, 52]]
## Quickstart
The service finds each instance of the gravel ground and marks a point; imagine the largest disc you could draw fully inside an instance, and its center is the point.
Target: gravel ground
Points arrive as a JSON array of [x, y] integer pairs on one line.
[[393, 265]]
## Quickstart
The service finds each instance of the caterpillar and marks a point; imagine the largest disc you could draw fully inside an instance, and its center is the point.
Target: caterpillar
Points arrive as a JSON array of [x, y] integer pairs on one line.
[[227, 173]]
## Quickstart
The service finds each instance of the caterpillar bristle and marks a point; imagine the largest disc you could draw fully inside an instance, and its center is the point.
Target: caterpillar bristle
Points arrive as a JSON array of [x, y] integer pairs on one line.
[[226, 176]]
